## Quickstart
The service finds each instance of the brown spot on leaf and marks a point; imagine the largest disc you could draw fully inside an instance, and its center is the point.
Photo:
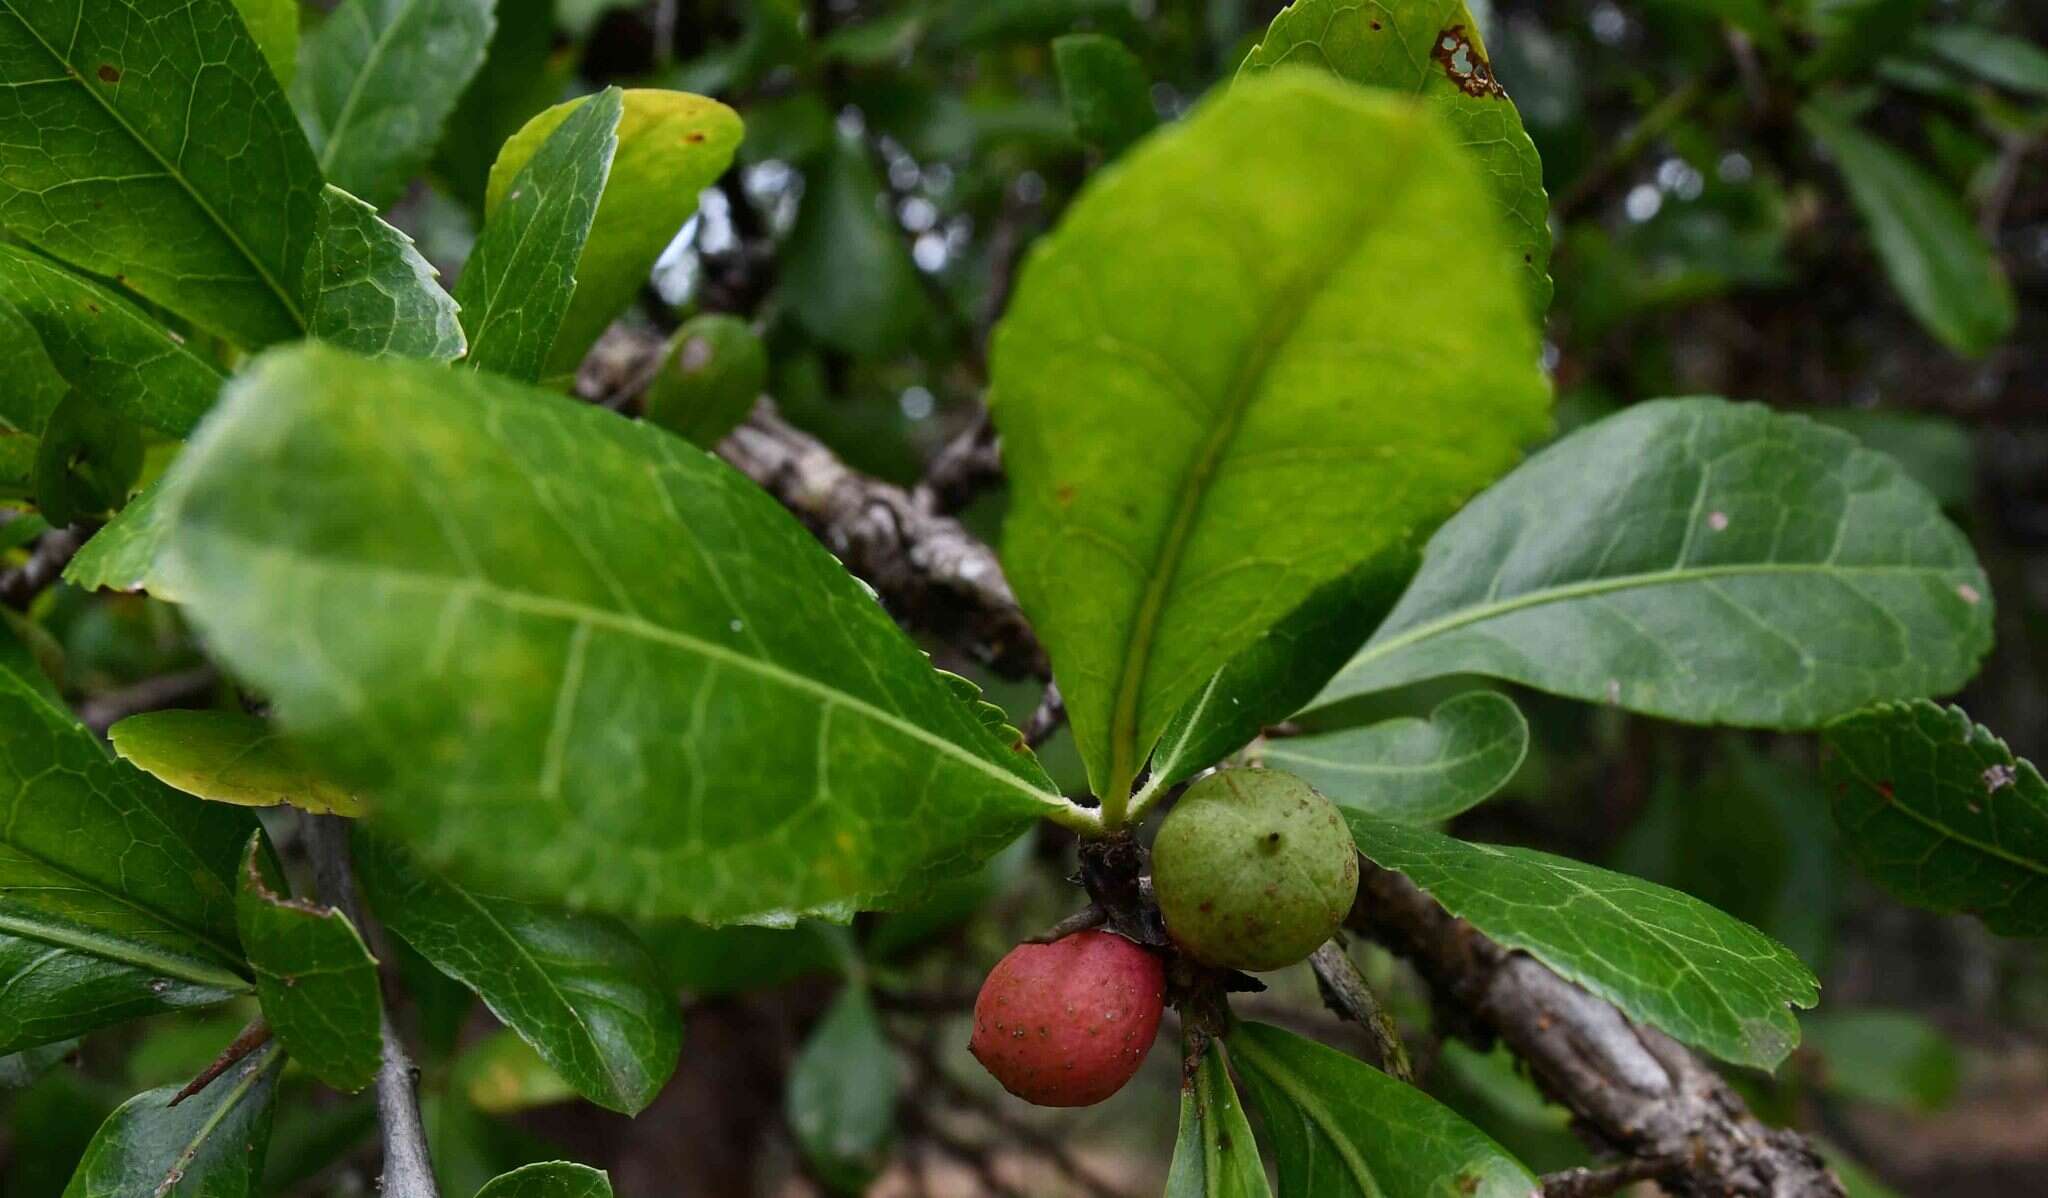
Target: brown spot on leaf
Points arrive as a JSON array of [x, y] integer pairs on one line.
[[693, 136], [1465, 65], [109, 73]]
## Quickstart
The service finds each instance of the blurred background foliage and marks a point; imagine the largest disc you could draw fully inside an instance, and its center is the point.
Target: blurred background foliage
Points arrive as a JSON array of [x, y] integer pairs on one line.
[[1838, 207]]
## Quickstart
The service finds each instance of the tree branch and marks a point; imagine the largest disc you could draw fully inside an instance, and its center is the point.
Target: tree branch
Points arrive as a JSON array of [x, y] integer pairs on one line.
[[408, 1173], [929, 570], [1345, 992], [1634, 1090], [54, 550], [183, 688]]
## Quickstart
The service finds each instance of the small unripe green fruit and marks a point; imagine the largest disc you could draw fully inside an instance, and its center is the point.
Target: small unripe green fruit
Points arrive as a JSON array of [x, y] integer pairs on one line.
[[1253, 870], [1068, 1023]]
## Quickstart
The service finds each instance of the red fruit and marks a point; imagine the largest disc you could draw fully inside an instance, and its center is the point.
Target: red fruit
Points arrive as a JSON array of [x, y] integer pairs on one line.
[[1068, 1023]]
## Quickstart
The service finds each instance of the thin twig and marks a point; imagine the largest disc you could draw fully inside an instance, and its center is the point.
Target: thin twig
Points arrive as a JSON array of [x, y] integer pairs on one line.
[[408, 1173], [1598, 1183], [45, 565], [251, 1038], [1634, 1090], [1046, 718], [181, 689], [2005, 178], [1345, 991], [962, 469], [1091, 916]]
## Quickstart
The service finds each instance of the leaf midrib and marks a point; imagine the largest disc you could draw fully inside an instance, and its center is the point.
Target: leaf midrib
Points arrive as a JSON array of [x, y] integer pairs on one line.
[[284, 297], [1481, 612], [211, 1124], [125, 952], [571, 611], [1274, 333], [1893, 803], [618, 1083], [202, 935], [380, 42], [1276, 1072]]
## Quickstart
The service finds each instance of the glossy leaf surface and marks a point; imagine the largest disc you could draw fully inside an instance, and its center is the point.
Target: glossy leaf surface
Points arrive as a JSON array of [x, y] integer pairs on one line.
[[579, 988], [550, 1179], [116, 894], [1415, 771], [209, 1146], [1342, 1129], [1185, 472], [520, 278], [227, 757], [671, 146], [607, 670], [315, 977], [1698, 560], [1214, 1154], [106, 346], [160, 152], [377, 78], [1431, 48], [368, 290], [1942, 814], [1661, 956]]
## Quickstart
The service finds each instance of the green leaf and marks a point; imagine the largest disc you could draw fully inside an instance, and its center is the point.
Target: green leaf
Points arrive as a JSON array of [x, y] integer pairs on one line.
[[841, 1096], [107, 347], [368, 290], [844, 267], [1895, 1058], [714, 370], [116, 893], [21, 1069], [34, 387], [1938, 452], [161, 154], [122, 555], [1941, 814], [671, 145], [314, 976], [275, 26], [551, 1179], [86, 462], [1935, 258], [1768, 573], [1105, 89], [519, 78], [1296, 283], [209, 1146], [572, 654], [502, 1074], [1341, 1128], [2000, 58], [1214, 1155], [376, 80], [1663, 957], [518, 283], [1431, 48], [579, 988], [1410, 770], [227, 757]]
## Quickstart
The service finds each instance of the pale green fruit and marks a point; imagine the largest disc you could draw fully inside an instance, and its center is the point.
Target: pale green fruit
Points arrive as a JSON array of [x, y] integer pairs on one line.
[[1253, 870]]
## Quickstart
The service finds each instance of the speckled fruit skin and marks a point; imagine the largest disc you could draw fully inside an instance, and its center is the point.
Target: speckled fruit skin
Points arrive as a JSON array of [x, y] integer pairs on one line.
[[1068, 1023], [1253, 870]]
